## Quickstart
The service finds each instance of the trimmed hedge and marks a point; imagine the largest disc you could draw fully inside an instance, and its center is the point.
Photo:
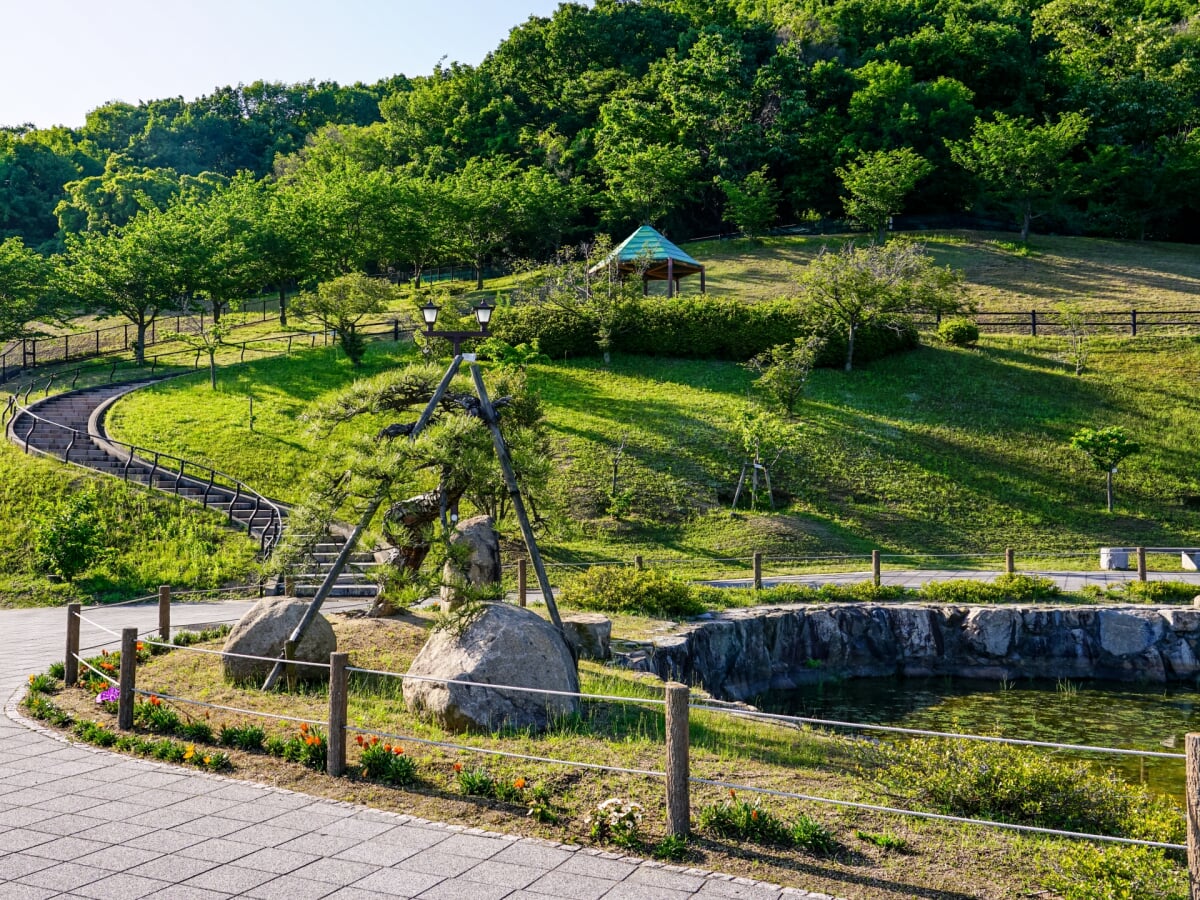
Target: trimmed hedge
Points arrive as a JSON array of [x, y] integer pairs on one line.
[[697, 328]]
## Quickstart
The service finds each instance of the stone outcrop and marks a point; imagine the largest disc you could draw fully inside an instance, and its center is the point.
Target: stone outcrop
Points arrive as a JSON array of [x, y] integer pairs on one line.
[[738, 654], [497, 644], [481, 564], [262, 632]]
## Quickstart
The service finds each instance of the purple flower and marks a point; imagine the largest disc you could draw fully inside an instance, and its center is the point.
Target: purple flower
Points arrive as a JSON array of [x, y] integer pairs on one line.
[[109, 695]]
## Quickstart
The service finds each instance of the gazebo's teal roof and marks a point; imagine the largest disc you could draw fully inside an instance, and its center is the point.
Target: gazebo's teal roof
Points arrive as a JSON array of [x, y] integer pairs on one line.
[[647, 247]]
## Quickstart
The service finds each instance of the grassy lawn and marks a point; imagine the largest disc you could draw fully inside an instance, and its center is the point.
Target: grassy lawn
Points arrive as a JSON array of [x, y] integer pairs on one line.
[[1000, 274], [870, 855], [935, 451]]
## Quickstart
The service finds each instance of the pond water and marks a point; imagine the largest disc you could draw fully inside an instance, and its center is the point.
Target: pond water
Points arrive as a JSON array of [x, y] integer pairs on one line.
[[1103, 714]]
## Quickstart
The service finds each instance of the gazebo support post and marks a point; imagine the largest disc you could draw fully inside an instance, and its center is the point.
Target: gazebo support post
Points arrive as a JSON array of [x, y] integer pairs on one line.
[[670, 278]]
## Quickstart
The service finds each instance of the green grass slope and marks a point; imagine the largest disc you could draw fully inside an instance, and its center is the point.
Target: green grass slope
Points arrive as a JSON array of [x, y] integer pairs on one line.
[[935, 451]]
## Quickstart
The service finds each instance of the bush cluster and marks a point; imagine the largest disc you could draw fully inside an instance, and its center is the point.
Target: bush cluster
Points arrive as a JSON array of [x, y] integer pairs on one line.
[[745, 821], [958, 332], [697, 328], [618, 589]]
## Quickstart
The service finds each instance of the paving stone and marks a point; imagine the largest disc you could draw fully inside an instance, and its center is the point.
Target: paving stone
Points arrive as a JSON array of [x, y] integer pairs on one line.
[[173, 868], [279, 862], [17, 865], [570, 886], [65, 876], [234, 879], [336, 871], [181, 892], [438, 862], [527, 853], [500, 873], [289, 887], [65, 848], [466, 890], [378, 853], [665, 878], [625, 890], [717, 888], [398, 882], [117, 858], [165, 841], [471, 845], [264, 835], [121, 886], [597, 867], [218, 850], [211, 826], [17, 891]]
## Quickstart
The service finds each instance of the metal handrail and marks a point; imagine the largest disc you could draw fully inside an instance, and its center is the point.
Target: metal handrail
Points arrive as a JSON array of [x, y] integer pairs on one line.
[[270, 533]]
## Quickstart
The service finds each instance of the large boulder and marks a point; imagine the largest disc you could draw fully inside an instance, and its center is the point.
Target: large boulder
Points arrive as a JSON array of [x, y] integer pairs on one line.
[[480, 564], [262, 632], [498, 644]]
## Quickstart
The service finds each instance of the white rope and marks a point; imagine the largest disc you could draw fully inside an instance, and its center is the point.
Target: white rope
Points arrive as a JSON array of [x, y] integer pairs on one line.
[[895, 729], [88, 665], [939, 816], [270, 659], [505, 687], [507, 754], [232, 709]]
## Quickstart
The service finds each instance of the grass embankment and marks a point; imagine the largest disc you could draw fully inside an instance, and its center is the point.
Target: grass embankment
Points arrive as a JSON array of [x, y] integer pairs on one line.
[[935, 451], [856, 854], [148, 539]]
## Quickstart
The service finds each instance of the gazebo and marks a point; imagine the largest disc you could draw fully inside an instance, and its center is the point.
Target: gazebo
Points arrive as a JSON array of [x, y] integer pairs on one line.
[[648, 253]]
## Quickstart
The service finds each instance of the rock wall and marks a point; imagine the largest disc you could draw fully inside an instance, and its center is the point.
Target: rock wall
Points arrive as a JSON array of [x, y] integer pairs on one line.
[[738, 654]]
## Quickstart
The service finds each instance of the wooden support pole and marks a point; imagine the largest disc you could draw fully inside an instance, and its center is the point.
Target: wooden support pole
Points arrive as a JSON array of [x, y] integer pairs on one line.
[[1192, 750], [164, 613], [678, 800], [1009, 562], [522, 581], [335, 759], [71, 660], [1141, 563], [514, 492], [289, 654], [639, 563], [758, 570], [126, 683], [875, 575]]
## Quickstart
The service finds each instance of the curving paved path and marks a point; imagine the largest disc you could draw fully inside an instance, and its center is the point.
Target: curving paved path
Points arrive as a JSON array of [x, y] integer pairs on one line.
[[80, 822]]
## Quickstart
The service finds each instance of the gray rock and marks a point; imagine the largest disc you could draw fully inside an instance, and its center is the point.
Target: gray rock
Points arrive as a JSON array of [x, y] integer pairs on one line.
[[1179, 659], [500, 644], [990, 631], [1125, 633], [481, 565], [262, 632], [589, 634], [1182, 620]]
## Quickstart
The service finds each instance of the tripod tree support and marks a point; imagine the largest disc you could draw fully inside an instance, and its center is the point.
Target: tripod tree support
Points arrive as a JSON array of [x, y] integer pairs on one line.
[[510, 481]]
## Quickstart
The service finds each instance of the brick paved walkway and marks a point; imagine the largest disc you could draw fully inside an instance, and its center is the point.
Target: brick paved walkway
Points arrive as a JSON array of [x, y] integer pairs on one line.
[[80, 822]]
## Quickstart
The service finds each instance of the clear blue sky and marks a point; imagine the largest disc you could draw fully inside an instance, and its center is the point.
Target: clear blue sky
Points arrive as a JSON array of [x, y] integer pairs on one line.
[[61, 58]]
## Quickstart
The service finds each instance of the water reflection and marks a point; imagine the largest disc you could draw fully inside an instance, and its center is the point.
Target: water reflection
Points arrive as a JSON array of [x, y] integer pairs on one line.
[[1099, 713]]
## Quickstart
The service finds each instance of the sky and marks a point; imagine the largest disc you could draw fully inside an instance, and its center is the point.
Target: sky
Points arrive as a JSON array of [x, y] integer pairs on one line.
[[61, 58]]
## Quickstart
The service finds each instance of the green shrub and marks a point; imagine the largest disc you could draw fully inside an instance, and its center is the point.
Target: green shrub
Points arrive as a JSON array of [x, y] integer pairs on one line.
[[1088, 872], [1027, 588], [383, 762], [1005, 589], [958, 332], [42, 684], [95, 733], [812, 835], [70, 539], [40, 707], [1154, 592], [617, 589], [1027, 787], [57, 670], [153, 716], [745, 821], [197, 732], [476, 783], [243, 737]]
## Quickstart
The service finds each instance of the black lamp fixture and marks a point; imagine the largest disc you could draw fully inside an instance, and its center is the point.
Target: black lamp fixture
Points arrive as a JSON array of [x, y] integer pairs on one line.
[[483, 315]]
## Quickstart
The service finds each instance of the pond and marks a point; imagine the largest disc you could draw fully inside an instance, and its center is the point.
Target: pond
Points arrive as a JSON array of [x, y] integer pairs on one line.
[[1103, 714]]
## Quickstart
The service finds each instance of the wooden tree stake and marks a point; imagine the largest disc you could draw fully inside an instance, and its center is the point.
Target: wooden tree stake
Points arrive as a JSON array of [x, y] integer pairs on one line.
[[335, 760], [71, 662], [678, 797], [126, 683], [164, 613]]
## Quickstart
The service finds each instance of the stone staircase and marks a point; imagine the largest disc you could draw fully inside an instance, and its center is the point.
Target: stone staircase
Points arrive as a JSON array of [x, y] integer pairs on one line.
[[70, 427]]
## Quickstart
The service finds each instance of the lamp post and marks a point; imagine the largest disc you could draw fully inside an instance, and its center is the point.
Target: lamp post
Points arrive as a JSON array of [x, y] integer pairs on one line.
[[483, 315]]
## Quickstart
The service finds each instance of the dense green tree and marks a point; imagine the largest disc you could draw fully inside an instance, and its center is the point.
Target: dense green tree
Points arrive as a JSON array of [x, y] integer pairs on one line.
[[27, 290], [1105, 448], [1023, 164], [751, 203], [341, 303], [877, 184]]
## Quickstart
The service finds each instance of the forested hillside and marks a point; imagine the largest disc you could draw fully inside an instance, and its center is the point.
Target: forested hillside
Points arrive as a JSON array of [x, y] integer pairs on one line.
[[1070, 115]]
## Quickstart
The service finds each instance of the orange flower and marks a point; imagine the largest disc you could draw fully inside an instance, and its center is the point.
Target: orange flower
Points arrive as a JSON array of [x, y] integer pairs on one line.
[[458, 767], [754, 815], [732, 795], [140, 646], [387, 748], [399, 751], [374, 739], [304, 728], [519, 784], [155, 701], [359, 740]]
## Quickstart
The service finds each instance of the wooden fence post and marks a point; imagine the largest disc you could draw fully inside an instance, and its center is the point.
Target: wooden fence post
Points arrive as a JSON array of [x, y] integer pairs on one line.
[[1141, 563], [522, 581], [335, 759], [126, 683], [164, 613], [1009, 562], [639, 563], [289, 654], [678, 800], [875, 567], [71, 661], [1192, 746]]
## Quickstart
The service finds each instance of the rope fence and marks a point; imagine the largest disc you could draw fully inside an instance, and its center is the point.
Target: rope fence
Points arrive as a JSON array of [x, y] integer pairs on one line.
[[678, 708]]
